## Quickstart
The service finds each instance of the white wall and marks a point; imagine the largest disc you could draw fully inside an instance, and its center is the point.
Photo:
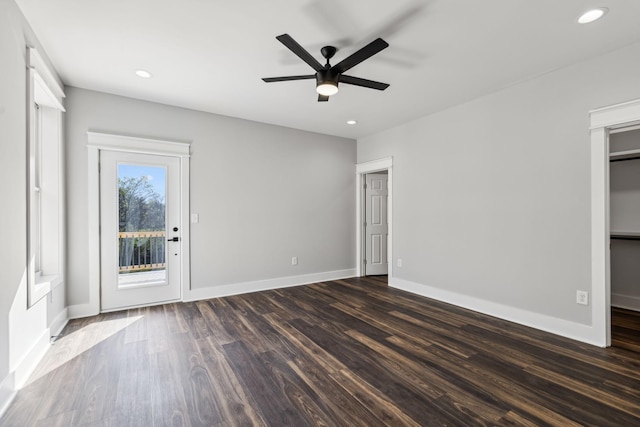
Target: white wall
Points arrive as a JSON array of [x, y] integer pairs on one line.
[[24, 333], [625, 217], [263, 193], [492, 198]]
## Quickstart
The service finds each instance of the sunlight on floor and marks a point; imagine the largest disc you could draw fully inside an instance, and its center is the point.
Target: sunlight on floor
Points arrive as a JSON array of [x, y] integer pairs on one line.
[[76, 343]]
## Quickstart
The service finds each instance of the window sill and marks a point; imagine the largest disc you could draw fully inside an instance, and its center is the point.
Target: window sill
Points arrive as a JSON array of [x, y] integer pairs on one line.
[[44, 285]]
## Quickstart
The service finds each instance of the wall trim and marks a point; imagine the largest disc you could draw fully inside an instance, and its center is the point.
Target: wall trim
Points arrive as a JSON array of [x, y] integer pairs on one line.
[[265, 285], [98, 141], [58, 324], [554, 325], [361, 170], [19, 376], [29, 362], [78, 311], [628, 302], [7, 393], [602, 121]]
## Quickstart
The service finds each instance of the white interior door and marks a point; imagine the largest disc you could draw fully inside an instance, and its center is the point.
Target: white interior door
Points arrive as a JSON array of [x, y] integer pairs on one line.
[[376, 224], [140, 241]]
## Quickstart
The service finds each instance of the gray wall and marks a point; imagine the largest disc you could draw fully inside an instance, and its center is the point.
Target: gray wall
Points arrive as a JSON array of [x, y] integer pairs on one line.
[[625, 216], [492, 197], [19, 327], [263, 193]]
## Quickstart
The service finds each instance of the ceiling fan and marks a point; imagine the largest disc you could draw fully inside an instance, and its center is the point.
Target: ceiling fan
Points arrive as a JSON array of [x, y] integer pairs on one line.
[[328, 76]]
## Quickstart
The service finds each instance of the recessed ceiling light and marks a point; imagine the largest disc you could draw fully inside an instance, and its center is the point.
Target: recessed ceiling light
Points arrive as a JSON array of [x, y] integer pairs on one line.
[[592, 15], [143, 74], [351, 122]]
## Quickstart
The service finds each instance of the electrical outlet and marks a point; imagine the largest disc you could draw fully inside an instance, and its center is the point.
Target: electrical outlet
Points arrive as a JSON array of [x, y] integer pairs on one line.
[[399, 262], [582, 297], [195, 218], [294, 260]]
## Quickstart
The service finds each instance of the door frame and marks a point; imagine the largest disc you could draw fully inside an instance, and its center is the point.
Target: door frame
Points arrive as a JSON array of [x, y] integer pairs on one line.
[[103, 141], [385, 164], [604, 121]]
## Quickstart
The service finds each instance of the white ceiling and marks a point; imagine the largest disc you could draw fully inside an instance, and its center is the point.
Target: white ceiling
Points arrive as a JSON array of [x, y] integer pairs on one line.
[[210, 55]]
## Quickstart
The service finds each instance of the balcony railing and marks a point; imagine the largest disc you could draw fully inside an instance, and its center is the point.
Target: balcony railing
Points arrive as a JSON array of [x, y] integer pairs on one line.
[[141, 250]]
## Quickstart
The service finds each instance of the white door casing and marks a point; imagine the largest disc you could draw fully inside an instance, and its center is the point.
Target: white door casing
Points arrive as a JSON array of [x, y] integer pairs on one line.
[[96, 143], [384, 164], [376, 225], [603, 121], [122, 289]]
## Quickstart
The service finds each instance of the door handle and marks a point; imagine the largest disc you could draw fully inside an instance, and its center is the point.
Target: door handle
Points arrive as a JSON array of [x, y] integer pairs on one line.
[[175, 239]]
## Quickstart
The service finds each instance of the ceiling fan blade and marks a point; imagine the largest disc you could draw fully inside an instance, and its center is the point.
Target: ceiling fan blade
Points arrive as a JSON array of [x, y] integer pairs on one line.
[[323, 98], [357, 81], [288, 78], [294, 47], [365, 53]]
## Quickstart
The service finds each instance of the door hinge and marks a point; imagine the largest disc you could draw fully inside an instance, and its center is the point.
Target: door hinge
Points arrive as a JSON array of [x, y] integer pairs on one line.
[[365, 185], [365, 261]]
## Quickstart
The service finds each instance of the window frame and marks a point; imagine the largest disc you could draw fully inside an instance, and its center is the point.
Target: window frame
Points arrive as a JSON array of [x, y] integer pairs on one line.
[[45, 199]]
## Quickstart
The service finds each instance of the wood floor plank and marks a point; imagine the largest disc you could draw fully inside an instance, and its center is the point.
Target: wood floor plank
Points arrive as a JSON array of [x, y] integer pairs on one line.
[[236, 406], [274, 403], [375, 401], [168, 405], [350, 352], [133, 392]]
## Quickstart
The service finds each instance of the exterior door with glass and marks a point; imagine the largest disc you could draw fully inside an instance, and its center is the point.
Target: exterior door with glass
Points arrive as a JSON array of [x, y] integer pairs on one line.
[[140, 241]]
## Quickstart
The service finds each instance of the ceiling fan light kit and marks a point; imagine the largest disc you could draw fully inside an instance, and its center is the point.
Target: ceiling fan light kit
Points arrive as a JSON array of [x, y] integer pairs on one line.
[[326, 82], [327, 76], [327, 88]]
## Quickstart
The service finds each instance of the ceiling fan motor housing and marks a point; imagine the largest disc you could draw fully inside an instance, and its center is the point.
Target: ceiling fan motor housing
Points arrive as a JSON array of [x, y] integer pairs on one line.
[[327, 76]]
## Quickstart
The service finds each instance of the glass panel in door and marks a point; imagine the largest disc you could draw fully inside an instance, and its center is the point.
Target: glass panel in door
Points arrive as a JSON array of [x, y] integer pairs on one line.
[[142, 241]]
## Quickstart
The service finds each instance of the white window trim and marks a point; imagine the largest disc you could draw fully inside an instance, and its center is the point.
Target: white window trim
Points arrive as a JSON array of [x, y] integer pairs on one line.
[[44, 90]]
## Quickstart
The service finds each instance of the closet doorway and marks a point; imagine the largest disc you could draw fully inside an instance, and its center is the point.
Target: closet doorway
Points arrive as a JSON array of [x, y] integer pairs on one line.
[[604, 122], [624, 214]]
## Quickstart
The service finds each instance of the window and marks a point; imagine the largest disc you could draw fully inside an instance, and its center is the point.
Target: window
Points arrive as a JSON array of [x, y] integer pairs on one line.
[[45, 206]]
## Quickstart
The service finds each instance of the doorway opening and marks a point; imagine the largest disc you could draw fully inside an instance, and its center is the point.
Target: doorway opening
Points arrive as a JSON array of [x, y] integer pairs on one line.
[[374, 218], [161, 253], [604, 122], [624, 214]]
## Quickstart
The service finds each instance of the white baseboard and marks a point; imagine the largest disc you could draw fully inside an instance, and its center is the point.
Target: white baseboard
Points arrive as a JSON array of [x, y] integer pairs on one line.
[[625, 301], [82, 310], [59, 323], [27, 365], [7, 393], [565, 328], [17, 378], [265, 285]]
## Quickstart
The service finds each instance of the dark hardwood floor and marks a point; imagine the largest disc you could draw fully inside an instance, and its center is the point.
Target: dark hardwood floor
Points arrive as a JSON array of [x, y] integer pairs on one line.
[[344, 353], [625, 329]]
